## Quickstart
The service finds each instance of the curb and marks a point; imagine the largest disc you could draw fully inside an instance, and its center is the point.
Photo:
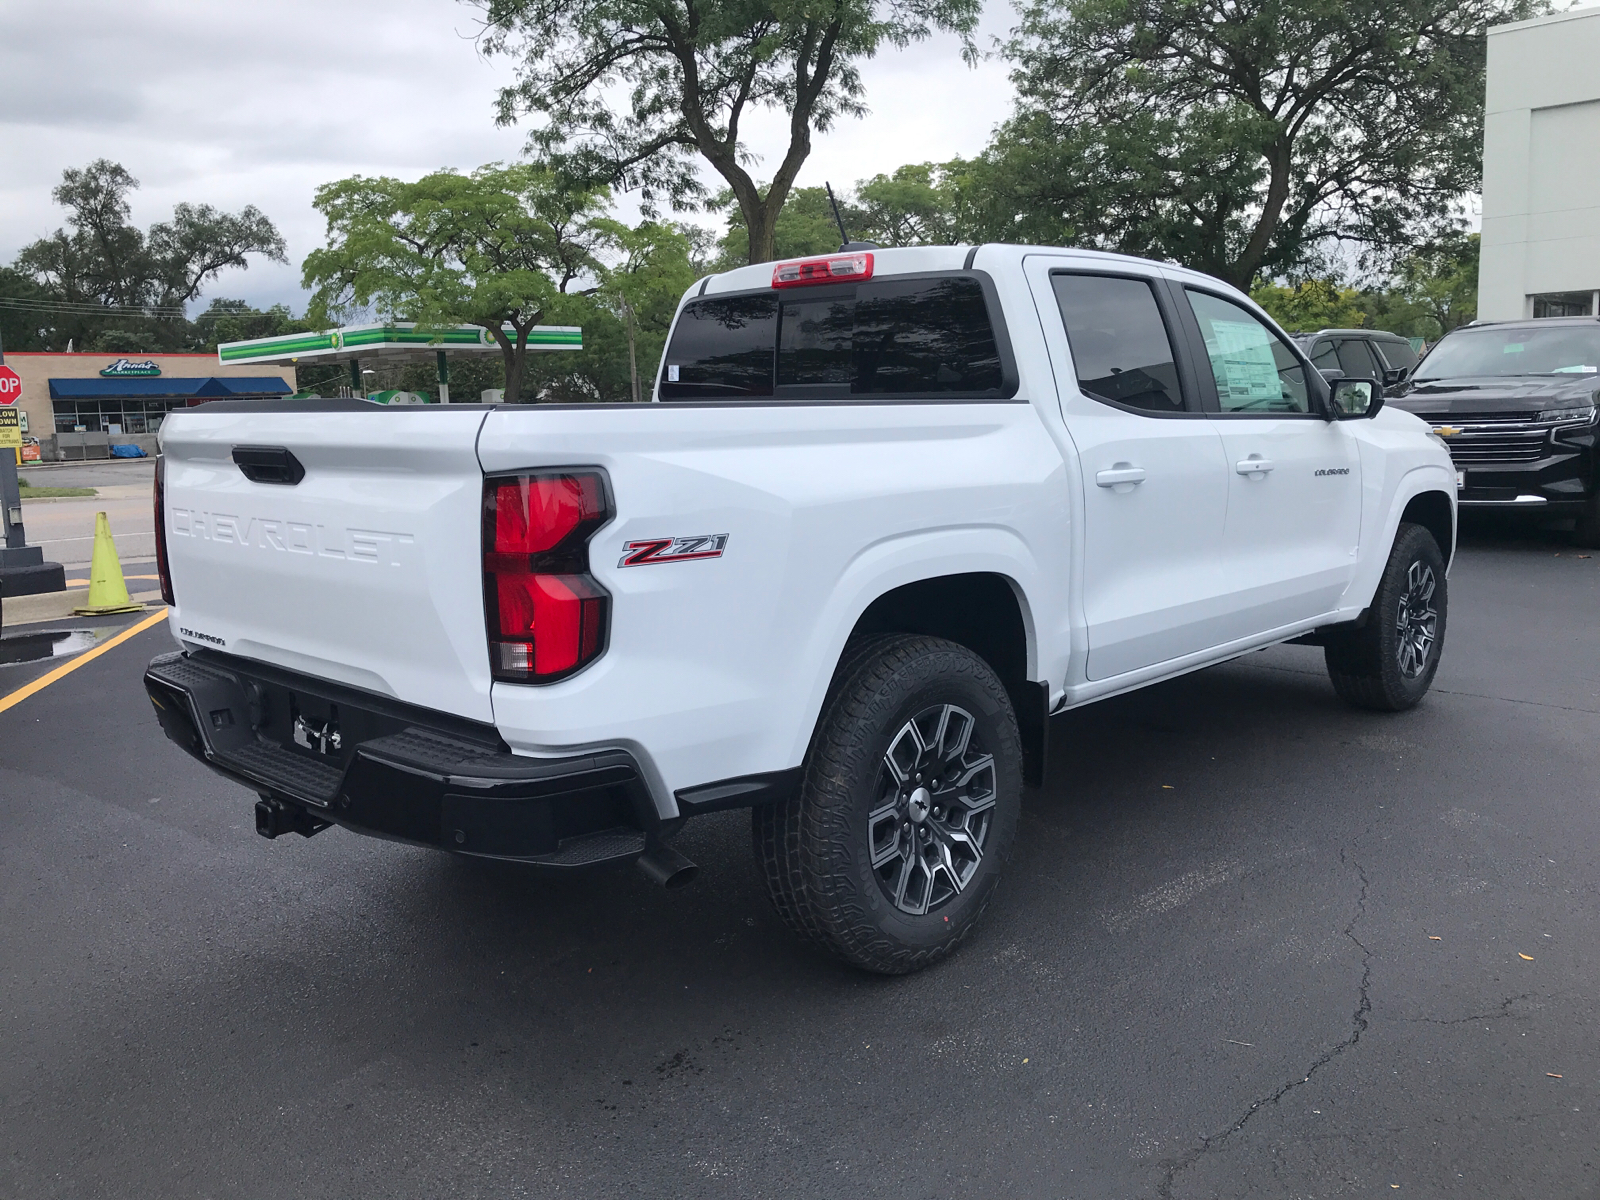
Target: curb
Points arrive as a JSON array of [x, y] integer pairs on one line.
[[56, 606]]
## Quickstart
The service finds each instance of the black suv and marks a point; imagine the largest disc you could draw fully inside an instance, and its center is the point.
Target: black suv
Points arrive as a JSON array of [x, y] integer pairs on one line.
[[1516, 402], [1361, 353]]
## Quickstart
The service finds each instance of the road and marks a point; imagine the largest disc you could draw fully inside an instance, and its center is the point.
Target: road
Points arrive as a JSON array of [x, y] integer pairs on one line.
[[64, 526], [1251, 943]]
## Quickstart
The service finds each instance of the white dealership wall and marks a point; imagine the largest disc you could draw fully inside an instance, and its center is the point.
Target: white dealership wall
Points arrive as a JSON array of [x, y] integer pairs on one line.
[[1541, 163]]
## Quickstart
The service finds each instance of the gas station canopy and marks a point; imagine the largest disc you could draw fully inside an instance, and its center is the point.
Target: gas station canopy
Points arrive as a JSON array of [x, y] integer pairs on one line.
[[390, 343], [395, 341]]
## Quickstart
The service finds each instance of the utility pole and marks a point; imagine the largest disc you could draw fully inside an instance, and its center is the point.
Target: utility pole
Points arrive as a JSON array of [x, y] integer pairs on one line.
[[633, 357], [23, 571]]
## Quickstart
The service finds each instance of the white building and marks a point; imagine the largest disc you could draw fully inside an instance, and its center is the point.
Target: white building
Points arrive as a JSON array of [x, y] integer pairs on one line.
[[1541, 169]]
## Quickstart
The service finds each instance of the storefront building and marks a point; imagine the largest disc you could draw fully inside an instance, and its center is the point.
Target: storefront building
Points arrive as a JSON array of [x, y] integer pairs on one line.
[[80, 405], [1541, 169]]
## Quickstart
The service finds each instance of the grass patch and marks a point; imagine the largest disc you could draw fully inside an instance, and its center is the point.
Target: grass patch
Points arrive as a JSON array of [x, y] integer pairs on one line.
[[29, 492]]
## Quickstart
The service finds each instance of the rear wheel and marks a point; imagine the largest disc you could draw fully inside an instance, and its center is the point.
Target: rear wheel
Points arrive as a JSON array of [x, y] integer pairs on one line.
[[1388, 664], [907, 811]]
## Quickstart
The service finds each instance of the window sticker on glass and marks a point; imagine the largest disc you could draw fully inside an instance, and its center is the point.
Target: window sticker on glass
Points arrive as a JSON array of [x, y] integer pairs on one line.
[[1242, 355], [672, 373], [1579, 369], [1511, 348]]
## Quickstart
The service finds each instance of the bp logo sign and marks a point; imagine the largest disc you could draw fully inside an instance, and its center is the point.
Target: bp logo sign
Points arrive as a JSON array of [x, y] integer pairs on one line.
[[125, 368]]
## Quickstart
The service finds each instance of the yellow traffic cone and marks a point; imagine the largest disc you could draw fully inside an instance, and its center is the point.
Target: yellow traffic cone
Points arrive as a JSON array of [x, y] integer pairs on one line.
[[108, 591]]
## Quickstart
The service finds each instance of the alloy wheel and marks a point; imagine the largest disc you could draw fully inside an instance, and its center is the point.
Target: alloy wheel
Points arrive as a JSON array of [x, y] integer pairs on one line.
[[936, 794], [1417, 621]]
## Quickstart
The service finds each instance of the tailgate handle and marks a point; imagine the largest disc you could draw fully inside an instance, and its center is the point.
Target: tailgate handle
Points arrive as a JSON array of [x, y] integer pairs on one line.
[[268, 464]]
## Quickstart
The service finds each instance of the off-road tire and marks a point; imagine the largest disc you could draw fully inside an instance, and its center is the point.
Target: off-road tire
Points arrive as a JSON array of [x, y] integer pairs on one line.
[[815, 848], [1366, 664]]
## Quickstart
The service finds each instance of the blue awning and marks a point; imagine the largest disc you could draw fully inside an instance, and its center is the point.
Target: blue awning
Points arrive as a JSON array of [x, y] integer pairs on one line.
[[214, 387]]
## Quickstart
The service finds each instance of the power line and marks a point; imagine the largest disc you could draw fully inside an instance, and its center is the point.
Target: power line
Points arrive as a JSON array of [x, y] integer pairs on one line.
[[82, 307], [76, 308]]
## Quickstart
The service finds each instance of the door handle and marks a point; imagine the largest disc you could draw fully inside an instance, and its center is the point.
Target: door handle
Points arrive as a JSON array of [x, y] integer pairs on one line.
[[1254, 465], [1122, 473]]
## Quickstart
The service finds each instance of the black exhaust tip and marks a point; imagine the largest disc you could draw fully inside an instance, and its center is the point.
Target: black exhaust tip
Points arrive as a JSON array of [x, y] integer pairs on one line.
[[666, 866]]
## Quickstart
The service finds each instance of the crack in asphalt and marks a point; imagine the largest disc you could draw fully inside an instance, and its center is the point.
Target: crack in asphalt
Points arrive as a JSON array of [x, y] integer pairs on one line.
[[1173, 1167], [1503, 1011]]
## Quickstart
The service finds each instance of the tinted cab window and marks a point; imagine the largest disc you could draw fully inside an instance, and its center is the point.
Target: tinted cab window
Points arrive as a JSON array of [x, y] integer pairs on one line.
[[890, 337], [1356, 360], [723, 348], [1120, 346], [1324, 357], [1397, 354]]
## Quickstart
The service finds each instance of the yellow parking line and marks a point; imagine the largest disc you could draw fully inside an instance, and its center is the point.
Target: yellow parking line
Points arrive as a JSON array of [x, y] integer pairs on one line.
[[66, 668]]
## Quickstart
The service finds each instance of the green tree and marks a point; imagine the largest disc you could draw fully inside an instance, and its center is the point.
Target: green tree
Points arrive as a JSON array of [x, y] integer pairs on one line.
[[919, 204], [803, 227], [103, 276], [26, 319], [599, 373], [502, 248], [200, 242], [691, 72], [103, 260], [642, 290], [237, 321], [1441, 280], [1238, 136], [1311, 305]]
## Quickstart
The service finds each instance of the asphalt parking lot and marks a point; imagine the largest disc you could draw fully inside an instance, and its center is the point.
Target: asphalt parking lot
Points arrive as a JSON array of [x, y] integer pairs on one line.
[[64, 526], [1252, 943]]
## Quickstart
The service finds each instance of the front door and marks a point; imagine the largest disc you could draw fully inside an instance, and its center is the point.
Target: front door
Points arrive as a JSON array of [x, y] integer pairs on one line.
[[1294, 479], [1155, 485]]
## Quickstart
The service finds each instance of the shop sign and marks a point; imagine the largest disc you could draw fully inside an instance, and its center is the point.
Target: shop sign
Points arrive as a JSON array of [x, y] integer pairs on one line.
[[10, 429], [125, 368]]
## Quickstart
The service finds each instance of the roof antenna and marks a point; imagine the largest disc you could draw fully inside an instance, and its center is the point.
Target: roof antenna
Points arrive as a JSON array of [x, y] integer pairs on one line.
[[844, 238]]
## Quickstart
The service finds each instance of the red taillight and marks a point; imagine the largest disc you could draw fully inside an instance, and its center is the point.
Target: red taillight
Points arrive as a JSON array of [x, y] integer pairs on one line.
[[161, 530], [835, 268], [546, 615]]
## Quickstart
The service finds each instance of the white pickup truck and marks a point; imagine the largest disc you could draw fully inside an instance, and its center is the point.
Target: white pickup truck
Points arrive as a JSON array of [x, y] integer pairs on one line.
[[888, 511]]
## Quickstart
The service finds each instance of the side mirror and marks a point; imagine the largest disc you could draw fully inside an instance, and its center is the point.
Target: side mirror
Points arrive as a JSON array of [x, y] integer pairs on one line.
[[1350, 399]]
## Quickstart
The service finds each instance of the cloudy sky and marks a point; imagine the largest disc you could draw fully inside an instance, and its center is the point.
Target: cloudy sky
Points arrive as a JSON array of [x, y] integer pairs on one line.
[[258, 103]]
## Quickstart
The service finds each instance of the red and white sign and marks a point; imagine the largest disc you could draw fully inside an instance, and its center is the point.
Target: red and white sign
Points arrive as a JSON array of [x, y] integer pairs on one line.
[[10, 385]]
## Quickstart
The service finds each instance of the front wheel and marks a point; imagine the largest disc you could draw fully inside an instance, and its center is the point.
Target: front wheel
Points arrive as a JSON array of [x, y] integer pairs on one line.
[[907, 810], [1388, 664]]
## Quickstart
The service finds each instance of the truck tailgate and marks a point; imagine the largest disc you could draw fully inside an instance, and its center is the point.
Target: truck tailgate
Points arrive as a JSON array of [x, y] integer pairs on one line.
[[367, 571]]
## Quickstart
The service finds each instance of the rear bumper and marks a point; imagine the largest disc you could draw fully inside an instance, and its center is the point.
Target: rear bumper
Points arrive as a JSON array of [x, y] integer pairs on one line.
[[395, 771]]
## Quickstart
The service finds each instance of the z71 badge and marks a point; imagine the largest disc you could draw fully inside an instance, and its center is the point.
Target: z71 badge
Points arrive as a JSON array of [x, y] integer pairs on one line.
[[674, 549]]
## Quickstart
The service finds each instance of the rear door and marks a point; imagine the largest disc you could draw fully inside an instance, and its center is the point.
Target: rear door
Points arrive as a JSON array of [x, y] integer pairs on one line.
[[365, 570], [1155, 486], [1294, 478]]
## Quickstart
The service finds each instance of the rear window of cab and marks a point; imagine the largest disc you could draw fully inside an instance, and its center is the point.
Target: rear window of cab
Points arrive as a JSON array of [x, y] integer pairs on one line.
[[899, 336]]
